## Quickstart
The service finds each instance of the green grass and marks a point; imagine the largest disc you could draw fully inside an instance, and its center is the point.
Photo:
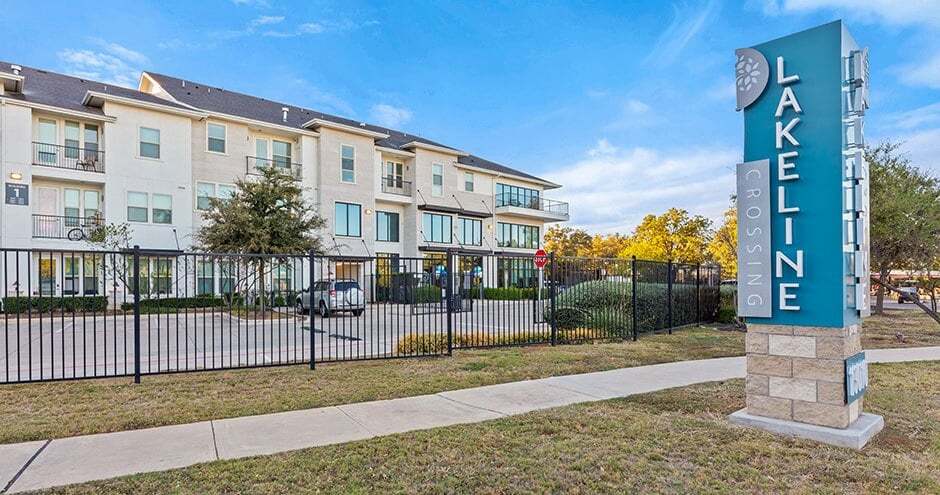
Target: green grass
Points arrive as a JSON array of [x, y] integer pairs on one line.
[[54, 410], [674, 441]]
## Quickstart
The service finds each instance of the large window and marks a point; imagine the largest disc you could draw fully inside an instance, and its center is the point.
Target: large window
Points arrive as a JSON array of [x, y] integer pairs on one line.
[[149, 142], [215, 137], [93, 264], [394, 174], [162, 275], [348, 163], [437, 180], [523, 197], [348, 219], [206, 190], [283, 273], [281, 154], [516, 272], [517, 236], [92, 201], [73, 131], [205, 278], [48, 135], [71, 199], [471, 231], [162, 208], [137, 207], [70, 270], [438, 228], [386, 226]]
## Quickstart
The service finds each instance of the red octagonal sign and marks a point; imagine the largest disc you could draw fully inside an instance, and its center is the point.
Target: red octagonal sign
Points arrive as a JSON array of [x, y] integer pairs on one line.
[[541, 258]]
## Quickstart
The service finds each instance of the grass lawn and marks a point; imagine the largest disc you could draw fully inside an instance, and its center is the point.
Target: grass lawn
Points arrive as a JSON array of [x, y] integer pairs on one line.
[[917, 328], [674, 441], [52, 410]]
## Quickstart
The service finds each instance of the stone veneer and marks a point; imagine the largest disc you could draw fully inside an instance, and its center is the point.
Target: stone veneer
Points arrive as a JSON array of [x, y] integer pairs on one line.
[[798, 373]]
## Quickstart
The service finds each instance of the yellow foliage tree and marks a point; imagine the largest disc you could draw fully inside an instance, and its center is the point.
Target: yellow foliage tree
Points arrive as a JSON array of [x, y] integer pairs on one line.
[[674, 235], [607, 246], [723, 247], [567, 241]]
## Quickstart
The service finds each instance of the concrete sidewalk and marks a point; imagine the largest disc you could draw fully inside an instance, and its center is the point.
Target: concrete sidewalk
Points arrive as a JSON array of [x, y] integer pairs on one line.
[[42, 464]]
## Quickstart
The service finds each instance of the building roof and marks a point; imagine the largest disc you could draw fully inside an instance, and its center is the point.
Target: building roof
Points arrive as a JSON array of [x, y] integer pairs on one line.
[[218, 100], [67, 92]]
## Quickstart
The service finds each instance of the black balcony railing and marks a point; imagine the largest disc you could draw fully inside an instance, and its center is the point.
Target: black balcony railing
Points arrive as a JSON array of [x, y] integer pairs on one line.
[[70, 227], [534, 203], [395, 185], [255, 164], [68, 157]]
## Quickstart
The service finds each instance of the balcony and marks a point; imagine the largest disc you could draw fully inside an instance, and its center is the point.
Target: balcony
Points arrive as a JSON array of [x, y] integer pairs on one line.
[[254, 164], [395, 185], [531, 206], [72, 228], [68, 157]]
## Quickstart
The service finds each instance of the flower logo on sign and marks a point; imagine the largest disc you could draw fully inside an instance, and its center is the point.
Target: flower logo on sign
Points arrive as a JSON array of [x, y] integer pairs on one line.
[[751, 74]]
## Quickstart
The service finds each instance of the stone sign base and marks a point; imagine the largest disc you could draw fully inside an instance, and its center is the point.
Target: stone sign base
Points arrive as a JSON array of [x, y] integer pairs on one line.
[[796, 382], [854, 437]]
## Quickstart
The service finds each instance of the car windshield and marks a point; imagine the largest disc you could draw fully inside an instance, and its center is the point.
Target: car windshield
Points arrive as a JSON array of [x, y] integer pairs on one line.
[[344, 286]]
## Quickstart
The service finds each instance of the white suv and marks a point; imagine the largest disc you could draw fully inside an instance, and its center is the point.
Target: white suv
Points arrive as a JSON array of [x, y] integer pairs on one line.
[[333, 295]]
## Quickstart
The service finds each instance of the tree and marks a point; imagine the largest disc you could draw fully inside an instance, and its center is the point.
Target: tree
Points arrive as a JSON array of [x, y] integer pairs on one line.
[[606, 246], [723, 247], [674, 235], [905, 218], [266, 216], [567, 241]]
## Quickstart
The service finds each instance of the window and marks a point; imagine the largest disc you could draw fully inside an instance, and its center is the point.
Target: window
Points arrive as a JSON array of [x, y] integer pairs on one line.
[[144, 283], [204, 191], [281, 154], [437, 180], [386, 226], [162, 268], [70, 275], [91, 141], [394, 174], [47, 276], [348, 219], [162, 208], [517, 236], [73, 131], [71, 199], [438, 228], [93, 263], [205, 278], [471, 231], [523, 197], [348, 164], [92, 204], [215, 137], [137, 207], [48, 137], [516, 272], [226, 277], [282, 278], [149, 142], [468, 181], [261, 152], [226, 191]]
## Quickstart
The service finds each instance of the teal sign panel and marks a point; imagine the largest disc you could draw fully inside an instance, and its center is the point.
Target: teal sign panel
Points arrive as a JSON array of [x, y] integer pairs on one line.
[[856, 377], [803, 98]]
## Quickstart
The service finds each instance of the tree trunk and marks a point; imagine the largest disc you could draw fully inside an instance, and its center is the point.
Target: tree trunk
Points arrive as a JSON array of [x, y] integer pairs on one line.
[[880, 300]]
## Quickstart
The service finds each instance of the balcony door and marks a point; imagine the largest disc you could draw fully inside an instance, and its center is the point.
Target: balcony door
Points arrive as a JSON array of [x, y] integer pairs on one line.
[[48, 136], [394, 174], [47, 211]]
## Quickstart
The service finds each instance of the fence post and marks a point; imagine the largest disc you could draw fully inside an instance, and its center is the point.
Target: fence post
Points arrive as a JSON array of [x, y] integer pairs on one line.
[[136, 314], [449, 296], [633, 297], [698, 294], [669, 296], [551, 295], [310, 312]]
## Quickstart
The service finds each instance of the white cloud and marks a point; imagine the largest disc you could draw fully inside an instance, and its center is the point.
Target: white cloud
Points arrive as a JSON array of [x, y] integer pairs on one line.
[[916, 118], [611, 189], [253, 3], [687, 22], [265, 20], [925, 72], [390, 116], [923, 148], [891, 12], [116, 64]]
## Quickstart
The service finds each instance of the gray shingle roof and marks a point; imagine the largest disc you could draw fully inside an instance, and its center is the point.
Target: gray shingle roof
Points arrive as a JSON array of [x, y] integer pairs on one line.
[[58, 90], [214, 99]]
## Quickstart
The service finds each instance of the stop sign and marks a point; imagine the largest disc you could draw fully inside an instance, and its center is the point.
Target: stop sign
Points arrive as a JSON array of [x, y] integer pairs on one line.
[[541, 258]]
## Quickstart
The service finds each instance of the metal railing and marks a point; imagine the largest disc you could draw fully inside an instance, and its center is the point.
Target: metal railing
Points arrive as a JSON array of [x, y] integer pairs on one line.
[[255, 164], [70, 227], [534, 203], [395, 185], [68, 157]]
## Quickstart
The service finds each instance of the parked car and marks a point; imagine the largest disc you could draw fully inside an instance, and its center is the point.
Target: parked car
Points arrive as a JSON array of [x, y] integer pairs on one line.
[[907, 294], [329, 296]]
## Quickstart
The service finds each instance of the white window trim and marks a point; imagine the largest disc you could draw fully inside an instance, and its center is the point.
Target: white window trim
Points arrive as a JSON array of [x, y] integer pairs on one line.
[[215, 192], [473, 180], [225, 139], [137, 151], [152, 208], [441, 195], [127, 204], [341, 181]]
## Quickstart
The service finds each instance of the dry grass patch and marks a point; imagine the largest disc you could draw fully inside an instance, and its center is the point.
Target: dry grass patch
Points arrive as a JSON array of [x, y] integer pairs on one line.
[[917, 328]]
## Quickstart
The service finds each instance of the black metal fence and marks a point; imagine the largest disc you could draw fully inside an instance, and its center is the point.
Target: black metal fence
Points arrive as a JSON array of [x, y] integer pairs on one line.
[[84, 314]]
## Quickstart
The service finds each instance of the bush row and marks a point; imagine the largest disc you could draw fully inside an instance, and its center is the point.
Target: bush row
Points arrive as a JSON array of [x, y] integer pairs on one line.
[[44, 304], [436, 343]]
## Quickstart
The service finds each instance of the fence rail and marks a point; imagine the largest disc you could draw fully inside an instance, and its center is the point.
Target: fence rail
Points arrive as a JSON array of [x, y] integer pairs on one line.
[[68, 157], [85, 314]]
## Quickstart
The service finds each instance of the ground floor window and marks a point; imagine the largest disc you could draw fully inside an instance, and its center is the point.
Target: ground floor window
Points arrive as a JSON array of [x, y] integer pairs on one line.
[[283, 274], [516, 272], [227, 272], [47, 275], [205, 278], [434, 266], [70, 272]]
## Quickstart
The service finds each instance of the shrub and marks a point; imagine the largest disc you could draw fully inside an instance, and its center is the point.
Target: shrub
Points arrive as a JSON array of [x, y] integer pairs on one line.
[[45, 304], [414, 344], [509, 293], [164, 303], [428, 294], [727, 315]]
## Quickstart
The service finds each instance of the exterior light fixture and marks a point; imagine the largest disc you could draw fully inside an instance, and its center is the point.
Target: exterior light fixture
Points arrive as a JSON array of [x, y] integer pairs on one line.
[[16, 176]]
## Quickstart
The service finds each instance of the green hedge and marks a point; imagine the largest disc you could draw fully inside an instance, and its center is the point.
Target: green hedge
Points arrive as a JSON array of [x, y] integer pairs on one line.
[[507, 293], [44, 304], [205, 301]]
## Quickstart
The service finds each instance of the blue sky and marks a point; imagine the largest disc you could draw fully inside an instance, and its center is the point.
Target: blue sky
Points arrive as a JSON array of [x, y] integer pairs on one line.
[[629, 105]]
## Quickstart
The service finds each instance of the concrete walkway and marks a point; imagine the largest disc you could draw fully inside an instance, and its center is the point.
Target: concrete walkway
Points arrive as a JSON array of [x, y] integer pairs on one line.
[[42, 464]]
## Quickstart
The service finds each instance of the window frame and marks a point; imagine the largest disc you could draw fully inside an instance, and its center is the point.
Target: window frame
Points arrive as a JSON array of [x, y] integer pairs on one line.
[[336, 205], [476, 233], [342, 164], [141, 142], [428, 227], [388, 231], [435, 192], [153, 208], [469, 180], [516, 235], [224, 138], [146, 206]]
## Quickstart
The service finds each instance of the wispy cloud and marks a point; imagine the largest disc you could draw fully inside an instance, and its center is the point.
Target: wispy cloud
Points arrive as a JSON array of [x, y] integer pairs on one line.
[[312, 96], [274, 26], [610, 189], [924, 72], [687, 22], [891, 12], [634, 113], [252, 3], [110, 62], [390, 116]]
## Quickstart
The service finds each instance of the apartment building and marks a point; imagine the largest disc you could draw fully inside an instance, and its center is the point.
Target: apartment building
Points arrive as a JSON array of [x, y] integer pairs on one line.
[[76, 153]]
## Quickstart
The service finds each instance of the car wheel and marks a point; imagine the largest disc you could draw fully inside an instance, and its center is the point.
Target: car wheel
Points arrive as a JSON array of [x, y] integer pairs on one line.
[[357, 312], [324, 311], [300, 308]]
